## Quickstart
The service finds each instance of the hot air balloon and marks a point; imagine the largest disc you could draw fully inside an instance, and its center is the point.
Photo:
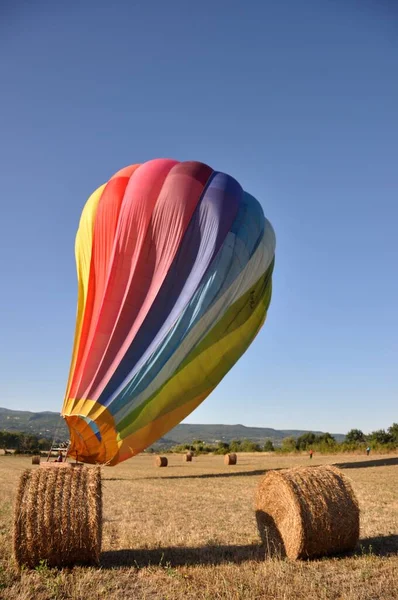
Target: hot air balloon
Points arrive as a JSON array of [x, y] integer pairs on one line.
[[174, 266]]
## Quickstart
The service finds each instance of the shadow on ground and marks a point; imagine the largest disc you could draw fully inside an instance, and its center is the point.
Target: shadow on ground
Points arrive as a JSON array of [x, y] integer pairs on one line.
[[120, 478], [218, 475], [201, 476], [216, 555], [380, 462], [383, 545], [181, 556]]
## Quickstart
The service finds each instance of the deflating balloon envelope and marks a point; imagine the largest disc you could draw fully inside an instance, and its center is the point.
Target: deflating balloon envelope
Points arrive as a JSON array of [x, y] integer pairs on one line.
[[174, 264]]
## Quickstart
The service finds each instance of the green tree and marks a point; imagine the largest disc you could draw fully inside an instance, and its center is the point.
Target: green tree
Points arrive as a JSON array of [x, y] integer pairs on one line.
[[44, 444], [197, 446], [306, 440], [269, 446], [249, 446], [222, 448], [235, 446], [288, 444], [393, 432], [355, 436], [381, 436], [10, 440], [326, 439], [223, 445]]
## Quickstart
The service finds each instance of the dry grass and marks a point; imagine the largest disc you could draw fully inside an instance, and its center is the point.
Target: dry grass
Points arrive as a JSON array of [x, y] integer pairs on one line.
[[161, 461], [307, 512], [58, 516], [167, 535]]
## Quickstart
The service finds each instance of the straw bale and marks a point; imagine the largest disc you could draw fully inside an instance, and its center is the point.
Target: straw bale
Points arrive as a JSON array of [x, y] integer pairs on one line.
[[35, 460], [161, 461], [188, 457], [230, 459], [58, 516], [306, 512]]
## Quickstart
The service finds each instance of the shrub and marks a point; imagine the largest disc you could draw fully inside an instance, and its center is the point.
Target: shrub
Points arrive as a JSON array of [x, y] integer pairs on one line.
[[269, 446]]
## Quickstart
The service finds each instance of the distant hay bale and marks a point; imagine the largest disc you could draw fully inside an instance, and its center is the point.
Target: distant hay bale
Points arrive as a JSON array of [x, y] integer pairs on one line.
[[58, 516], [230, 459], [35, 460], [188, 457], [306, 512], [161, 461]]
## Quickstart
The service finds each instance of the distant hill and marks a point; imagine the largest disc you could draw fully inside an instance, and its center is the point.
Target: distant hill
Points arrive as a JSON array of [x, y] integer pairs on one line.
[[44, 424], [186, 432]]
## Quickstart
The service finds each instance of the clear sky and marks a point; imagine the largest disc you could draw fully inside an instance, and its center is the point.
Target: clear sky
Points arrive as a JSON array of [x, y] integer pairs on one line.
[[296, 100]]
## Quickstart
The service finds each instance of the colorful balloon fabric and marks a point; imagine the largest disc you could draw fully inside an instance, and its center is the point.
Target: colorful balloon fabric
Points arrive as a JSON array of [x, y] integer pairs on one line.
[[174, 264]]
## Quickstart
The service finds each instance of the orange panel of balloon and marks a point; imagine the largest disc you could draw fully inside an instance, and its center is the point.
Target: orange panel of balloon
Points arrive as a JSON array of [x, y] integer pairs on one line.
[[174, 265]]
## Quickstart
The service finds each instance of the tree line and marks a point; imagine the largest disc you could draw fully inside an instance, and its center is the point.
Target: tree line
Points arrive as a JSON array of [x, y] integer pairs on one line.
[[23, 443], [324, 443], [381, 439], [355, 439]]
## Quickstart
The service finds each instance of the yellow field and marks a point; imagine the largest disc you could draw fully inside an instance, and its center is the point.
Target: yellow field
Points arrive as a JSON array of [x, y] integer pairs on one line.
[[189, 531]]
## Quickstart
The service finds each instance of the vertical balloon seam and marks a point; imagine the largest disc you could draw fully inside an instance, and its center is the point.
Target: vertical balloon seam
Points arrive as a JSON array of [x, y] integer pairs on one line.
[[159, 342], [159, 426], [108, 365], [127, 384], [84, 239], [82, 284], [213, 338], [91, 289], [232, 363], [239, 290], [97, 297], [235, 345], [132, 172], [108, 390], [168, 318], [161, 179]]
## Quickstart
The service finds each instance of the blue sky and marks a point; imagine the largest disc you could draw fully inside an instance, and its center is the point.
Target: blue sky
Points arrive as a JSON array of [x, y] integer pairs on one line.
[[296, 100]]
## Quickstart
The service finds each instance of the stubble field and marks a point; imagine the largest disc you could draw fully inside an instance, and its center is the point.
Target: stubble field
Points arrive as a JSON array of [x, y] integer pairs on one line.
[[189, 531]]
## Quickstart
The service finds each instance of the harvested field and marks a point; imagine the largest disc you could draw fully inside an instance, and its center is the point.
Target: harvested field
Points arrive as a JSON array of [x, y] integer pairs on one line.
[[189, 531]]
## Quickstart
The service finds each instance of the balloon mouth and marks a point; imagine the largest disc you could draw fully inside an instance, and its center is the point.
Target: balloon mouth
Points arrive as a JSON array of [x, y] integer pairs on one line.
[[89, 443]]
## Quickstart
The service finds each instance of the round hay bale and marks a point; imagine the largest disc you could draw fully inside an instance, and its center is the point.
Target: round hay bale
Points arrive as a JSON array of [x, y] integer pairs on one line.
[[230, 459], [35, 460], [161, 461], [58, 517], [188, 457], [306, 512]]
